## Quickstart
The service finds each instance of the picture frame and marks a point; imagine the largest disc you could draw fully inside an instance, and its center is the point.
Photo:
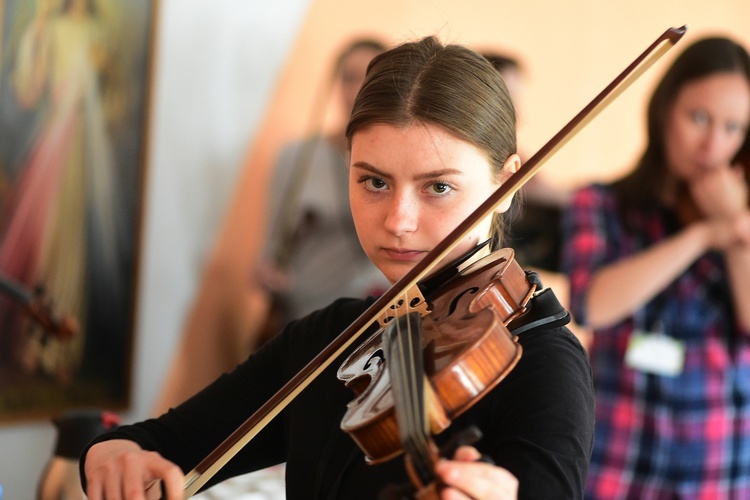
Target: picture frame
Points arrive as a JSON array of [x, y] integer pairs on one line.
[[75, 79]]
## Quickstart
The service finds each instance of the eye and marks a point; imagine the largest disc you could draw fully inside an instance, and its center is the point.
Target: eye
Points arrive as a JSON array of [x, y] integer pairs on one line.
[[699, 117], [440, 187], [373, 183], [733, 127]]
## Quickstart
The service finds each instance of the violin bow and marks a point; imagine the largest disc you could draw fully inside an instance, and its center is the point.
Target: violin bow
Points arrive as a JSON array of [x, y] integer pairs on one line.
[[210, 465]]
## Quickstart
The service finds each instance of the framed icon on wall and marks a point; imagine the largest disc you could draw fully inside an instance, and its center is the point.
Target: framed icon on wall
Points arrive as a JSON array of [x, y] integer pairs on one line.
[[74, 91]]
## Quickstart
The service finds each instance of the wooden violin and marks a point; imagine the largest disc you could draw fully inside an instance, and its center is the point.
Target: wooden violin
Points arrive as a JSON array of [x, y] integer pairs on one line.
[[39, 306], [468, 350], [405, 297], [415, 377]]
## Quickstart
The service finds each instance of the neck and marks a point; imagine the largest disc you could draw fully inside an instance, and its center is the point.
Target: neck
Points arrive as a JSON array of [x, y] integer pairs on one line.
[[484, 252]]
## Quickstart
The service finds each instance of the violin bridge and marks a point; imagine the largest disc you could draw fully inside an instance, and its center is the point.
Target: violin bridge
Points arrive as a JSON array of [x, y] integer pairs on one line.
[[411, 301]]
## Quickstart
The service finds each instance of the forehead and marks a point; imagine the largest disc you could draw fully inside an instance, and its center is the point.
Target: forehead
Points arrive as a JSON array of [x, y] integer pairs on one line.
[[727, 93], [418, 135], [414, 147]]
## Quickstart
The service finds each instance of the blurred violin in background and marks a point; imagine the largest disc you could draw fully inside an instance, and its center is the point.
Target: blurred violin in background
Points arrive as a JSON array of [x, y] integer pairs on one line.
[[39, 306]]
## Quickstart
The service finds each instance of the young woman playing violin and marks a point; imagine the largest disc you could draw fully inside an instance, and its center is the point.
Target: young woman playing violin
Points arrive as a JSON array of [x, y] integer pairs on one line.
[[659, 266], [432, 135]]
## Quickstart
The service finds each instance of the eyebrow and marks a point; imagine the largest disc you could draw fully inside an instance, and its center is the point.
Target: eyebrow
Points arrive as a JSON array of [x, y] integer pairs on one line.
[[435, 174]]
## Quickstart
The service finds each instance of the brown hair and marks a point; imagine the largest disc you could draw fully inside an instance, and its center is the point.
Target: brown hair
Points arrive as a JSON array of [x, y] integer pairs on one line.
[[449, 86]]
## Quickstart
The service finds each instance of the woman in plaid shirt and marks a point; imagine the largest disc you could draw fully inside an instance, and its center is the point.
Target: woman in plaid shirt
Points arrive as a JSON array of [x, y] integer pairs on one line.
[[659, 264]]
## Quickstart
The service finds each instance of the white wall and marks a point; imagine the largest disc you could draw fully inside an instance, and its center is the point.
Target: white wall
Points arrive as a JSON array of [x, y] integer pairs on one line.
[[216, 64]]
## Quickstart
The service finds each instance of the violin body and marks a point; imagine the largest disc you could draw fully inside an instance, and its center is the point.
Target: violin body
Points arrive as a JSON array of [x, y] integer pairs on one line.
[[467, 349], [38, 305]]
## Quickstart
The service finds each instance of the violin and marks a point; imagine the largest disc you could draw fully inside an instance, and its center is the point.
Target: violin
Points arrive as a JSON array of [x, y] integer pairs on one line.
[[475, 299], [467, 345], [413, 379], [39, 306]]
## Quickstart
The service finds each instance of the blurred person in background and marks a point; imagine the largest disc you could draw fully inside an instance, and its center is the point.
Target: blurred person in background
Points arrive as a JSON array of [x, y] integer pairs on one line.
[[659, 267]]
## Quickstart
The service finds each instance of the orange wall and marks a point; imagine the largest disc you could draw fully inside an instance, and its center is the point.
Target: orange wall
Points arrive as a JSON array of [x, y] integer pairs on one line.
[[571, 50]]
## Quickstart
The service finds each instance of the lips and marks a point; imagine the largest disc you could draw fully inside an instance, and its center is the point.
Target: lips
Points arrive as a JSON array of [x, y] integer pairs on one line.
[[403, 254]]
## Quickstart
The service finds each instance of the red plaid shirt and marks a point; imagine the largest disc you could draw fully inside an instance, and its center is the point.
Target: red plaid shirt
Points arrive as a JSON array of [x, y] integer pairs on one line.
[[662, 437]]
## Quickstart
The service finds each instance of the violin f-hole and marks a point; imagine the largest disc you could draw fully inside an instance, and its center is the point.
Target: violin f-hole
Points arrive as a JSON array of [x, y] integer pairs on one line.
[[453, 306]]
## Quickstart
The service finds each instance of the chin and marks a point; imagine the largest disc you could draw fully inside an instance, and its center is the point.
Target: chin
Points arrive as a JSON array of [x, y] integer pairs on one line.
[[393, 278], [394, 273]]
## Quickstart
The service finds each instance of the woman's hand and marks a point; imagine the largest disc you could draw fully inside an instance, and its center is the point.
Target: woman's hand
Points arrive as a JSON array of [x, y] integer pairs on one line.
[[467, 478], [721, 196], [721, 192], [120, 469]]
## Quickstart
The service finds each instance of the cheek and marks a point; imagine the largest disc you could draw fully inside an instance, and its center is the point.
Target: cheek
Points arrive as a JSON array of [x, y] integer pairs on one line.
[[359, 213], [733, 147], [365, 217], [439, 226], [679, 142]]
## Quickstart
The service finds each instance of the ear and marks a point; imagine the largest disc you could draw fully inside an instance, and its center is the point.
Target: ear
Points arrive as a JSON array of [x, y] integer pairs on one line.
[[510, 167]]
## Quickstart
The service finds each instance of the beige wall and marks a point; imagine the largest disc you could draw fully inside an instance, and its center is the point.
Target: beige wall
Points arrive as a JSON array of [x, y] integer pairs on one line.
[[571, 50]]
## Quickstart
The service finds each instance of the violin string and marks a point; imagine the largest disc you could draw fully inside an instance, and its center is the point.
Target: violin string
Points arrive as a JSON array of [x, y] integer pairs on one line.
[[415, 420], [409, 359], [420, 410]]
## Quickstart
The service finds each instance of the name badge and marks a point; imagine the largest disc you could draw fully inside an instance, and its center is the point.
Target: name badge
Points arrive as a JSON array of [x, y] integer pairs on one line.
[[655, 353]]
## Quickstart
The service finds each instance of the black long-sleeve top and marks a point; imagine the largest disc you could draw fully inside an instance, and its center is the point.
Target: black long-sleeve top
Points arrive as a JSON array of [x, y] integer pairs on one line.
[[537, 423]]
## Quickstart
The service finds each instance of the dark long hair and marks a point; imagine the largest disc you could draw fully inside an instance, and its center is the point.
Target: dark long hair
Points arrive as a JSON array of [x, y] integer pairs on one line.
[[449, 86], [706, 57]]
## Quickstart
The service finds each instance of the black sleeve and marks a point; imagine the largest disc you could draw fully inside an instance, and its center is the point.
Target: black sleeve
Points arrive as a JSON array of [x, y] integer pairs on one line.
[[188, 433], [540, 423]]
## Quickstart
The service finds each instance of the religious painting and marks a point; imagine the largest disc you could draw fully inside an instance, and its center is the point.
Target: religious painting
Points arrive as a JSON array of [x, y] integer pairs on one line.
[[74, 85]]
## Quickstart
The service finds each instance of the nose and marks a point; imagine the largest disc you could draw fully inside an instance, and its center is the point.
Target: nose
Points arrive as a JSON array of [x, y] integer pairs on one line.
[[403, 215], [715, 142]]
